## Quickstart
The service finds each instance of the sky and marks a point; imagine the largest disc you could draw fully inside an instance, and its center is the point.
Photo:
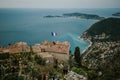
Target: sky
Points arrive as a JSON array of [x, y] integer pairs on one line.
[[59, 3]]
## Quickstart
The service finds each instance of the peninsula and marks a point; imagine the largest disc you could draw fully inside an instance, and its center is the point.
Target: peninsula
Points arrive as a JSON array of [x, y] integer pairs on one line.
[[103, 55]]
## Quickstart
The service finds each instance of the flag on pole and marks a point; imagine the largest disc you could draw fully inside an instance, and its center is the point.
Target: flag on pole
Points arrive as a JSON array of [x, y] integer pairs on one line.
[[53, 33]]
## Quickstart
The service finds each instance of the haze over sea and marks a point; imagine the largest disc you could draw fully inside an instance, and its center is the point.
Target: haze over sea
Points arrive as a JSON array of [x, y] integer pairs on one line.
[[29, 25]]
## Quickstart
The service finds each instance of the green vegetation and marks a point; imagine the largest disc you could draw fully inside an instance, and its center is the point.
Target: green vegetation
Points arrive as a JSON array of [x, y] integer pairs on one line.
[[109, 26], [39, 60], [77, 67], [29, 66], [20, 66], [92, 75], [77, 56], [102, 58], [4, 56], [71, 61], [111, 70], [80, 71]]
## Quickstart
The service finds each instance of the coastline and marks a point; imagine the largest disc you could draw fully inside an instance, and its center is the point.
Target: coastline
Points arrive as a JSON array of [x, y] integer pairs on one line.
[[89, 42]]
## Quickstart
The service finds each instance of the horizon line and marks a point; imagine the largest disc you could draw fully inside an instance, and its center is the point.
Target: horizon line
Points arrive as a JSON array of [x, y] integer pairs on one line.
[[54, 8]]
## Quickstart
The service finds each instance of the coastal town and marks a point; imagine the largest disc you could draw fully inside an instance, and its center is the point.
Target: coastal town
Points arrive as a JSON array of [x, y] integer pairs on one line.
[[102, 55], [100, 52]]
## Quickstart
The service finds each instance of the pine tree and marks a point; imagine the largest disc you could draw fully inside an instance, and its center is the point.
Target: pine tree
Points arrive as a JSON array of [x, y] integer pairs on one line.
[[77, 56]]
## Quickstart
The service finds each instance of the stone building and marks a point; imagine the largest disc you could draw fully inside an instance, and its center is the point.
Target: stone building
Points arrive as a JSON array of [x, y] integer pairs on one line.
[[47, 50], [59, 50]]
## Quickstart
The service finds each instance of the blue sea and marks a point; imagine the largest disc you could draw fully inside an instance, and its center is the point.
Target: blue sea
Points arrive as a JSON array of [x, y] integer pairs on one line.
[[29, 25]]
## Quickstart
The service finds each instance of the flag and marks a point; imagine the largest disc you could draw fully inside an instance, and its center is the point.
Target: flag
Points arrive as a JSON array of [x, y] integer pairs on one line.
[[54, 33]]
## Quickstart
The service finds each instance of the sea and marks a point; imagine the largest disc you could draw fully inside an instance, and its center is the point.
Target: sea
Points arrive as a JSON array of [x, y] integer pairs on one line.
[[30, 25]]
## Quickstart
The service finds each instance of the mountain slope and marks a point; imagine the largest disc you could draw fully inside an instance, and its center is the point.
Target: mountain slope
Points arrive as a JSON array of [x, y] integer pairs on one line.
[[109, 26]]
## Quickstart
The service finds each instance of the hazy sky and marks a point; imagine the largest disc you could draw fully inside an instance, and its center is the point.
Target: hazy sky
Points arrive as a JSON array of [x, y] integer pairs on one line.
[[59, 3]]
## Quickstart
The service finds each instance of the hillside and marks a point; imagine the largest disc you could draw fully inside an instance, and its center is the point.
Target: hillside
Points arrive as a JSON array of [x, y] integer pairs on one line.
[[104, 53], [109, 26]]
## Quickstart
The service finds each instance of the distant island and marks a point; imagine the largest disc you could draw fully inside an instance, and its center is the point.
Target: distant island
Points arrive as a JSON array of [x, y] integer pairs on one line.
[[51, 16], [116, 14], [77, 15], [83, 16]]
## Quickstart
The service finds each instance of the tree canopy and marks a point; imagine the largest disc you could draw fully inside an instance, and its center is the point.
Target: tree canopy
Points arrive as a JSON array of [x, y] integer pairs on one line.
[[77, 56], [109, 26]]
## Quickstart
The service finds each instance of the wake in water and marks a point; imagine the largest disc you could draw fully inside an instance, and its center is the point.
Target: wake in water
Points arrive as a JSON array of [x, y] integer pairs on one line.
[[73, 39]]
